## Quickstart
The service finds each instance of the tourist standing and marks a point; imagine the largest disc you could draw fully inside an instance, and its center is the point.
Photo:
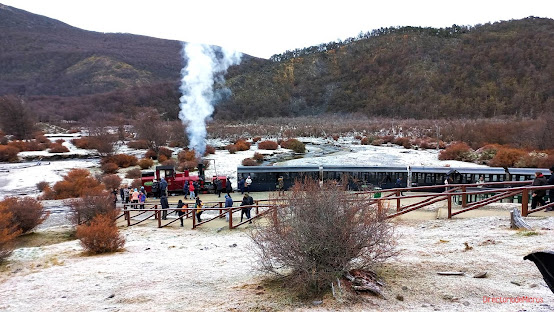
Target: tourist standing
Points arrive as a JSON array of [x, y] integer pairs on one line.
[[228, 205], [181, 212], [198, 207], [247, 184], [538, 195]]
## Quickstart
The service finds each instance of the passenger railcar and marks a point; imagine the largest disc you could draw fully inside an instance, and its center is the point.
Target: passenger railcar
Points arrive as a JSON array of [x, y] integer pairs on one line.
[[265, 178]]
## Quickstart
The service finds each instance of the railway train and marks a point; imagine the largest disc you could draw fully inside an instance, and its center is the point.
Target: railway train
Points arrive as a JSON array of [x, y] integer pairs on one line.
[[360, 178]]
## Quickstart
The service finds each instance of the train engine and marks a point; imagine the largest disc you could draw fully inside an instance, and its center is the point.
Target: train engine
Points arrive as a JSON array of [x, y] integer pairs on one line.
[[176, 180]]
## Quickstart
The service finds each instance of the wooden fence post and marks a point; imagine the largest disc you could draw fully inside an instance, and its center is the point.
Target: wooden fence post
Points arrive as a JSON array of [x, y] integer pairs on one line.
[[128, 216], [525, 202], [398, 200], [464, 197], [230, 213], [158, 214], [449, 200], [193, 219]]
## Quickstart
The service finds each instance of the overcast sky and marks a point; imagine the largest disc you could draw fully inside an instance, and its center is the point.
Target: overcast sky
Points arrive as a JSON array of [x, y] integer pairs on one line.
[[263, 28]]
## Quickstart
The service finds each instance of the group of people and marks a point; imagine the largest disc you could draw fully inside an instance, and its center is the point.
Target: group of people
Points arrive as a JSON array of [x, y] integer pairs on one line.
[[134, 196], [244, 184]]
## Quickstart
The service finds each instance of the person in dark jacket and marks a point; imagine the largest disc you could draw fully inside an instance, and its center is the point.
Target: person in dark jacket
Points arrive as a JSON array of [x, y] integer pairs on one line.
[[165, 205], [241, 185], [551, 192], [228, 187], [163, 187], [245, 211], [122, 194], [186, 189], [198, 209], [538, 195], [180, 212], [228, 204], [218, 187]]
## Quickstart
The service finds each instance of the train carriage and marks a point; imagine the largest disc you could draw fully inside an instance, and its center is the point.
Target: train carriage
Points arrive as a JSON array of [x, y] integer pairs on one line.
[[359, 177]]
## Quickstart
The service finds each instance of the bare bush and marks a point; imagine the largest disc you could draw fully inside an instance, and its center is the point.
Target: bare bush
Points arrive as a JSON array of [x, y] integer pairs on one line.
[[145, 163], [8, 232], [249, 162], [268, 145], [165, 152], [121, 160], [100, 235], [319, 233], [295, 145], [209, 150], [8, 153], [84, 209], [42, 185], [111, 181], [76, 183], [133, 173], [138, 144], [109, 168], [58, 148], [258, 157], [27, 213]]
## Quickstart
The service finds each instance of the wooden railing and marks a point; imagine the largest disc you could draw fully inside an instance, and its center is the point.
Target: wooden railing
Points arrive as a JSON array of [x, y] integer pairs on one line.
[[471, 196]]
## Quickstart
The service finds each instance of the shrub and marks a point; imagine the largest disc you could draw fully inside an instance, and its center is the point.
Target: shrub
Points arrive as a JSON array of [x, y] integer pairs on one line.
[[133, 173], [268, 145], [58, 148], [109, 168], [101, 235], [256, 139], [27, 213], [358, 137], [170, 162], [232, 148], [121, 160], [258, 157], [8, 232], [209, 150], [242, 145], [112, 181], [150, 154], [137, 183], [83, 143], [319, 233], [188, 155], [165, 152], [249, 162], [531, 160], [162, 158], [335, 137], [377, 142], [8, 153], [403, 141], [42, 185], [506, 157], [187, 165], [145, 163], [387, 139], [60, 141], [76, 183], [138, 144], [457, 151], [295, 145], [84, 209], [365, 141], [20, 145]]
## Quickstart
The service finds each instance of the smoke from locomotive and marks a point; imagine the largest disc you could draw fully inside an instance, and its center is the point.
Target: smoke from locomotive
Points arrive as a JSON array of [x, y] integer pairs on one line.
[[205, 66]]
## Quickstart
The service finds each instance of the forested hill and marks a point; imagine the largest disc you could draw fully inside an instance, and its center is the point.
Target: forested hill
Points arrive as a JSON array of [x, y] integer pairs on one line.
[[505, 68]]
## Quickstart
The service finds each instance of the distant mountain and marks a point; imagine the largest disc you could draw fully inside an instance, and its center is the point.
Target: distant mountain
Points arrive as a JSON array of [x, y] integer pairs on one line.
[[505, 68], [42, 56]]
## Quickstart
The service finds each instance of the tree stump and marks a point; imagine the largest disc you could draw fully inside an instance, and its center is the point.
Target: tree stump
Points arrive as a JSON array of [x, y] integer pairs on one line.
[[517, 222]]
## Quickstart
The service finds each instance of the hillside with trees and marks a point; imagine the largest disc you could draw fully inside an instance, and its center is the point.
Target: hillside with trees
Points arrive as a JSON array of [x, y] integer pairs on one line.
[[500, 69], [60, 72]]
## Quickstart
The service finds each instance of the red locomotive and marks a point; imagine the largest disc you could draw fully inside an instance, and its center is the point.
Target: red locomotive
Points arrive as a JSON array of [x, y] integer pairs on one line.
[[176, 180]]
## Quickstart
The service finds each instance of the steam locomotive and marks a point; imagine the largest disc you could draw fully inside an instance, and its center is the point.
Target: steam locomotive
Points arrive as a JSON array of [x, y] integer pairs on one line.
[[176, 180]]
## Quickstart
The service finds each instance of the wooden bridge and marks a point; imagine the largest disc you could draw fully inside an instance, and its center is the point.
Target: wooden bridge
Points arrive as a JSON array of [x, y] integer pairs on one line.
[[466, 197]]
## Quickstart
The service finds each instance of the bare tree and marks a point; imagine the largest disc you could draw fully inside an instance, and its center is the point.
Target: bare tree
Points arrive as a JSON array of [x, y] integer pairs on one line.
[[320, 233], [150, 127], [16, 118]]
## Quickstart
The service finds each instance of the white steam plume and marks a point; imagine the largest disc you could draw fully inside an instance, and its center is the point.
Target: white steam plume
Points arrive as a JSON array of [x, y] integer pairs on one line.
[[205, 65]]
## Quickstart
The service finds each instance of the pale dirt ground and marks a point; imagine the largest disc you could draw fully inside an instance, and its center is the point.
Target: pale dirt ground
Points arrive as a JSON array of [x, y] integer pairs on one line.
[[179, 269]]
